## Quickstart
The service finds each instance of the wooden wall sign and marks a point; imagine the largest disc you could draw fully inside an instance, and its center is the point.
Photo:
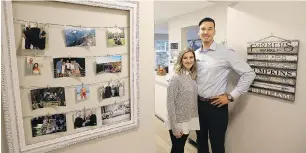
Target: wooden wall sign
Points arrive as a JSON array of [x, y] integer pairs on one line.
[[275, 65]]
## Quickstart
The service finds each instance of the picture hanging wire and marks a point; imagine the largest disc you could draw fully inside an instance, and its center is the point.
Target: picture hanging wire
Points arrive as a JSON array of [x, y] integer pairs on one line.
[[69, 56], [72, 111], [272, 36], [63, 25], [72, 86]]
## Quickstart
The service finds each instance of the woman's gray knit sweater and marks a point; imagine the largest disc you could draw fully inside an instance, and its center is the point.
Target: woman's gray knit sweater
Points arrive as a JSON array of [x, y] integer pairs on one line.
[[181, 100]]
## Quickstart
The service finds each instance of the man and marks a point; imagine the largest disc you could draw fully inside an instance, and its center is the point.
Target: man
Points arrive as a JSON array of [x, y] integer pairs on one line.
[[30, 67], [215, 61]]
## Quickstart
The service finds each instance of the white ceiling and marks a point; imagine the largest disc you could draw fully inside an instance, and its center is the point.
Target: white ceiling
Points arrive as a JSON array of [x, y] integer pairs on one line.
[[165, 10]]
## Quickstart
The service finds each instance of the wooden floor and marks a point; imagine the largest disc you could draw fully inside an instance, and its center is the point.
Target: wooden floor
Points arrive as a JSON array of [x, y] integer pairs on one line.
[[163, 141]]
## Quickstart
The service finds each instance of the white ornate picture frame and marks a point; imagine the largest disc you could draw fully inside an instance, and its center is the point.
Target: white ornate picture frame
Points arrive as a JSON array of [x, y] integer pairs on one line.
[[11, 100]]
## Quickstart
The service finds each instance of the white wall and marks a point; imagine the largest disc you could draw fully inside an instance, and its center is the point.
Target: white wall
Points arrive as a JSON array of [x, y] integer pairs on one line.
[[261, 124], [217, 12], [192, 33], [140, 140]]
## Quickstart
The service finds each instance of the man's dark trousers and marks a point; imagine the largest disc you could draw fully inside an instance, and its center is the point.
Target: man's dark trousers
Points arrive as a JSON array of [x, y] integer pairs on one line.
[[213, 123]]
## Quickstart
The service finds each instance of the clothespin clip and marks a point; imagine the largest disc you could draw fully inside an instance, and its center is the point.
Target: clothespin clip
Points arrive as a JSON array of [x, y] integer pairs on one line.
[[48, 86], [48, 114]]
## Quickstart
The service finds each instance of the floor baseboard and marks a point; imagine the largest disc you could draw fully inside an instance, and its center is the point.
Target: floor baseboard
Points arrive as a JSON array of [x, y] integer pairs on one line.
[[193, 143], [160, 118]]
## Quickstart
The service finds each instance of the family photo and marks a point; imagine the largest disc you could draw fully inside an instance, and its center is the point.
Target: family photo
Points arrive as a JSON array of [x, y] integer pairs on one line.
[[32, 67], [115, 37], [115, 113], [82, 92], [85, 117], [111, 89], [48, 97], [48, 124], [69, 67], [80, 37], [108, 64], [33, 36]]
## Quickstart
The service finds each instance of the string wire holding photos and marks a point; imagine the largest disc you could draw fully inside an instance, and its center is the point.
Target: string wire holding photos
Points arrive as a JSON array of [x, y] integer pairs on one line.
[[115, 102], [19, 21], [35, 35], [68, 56], [99, 83]]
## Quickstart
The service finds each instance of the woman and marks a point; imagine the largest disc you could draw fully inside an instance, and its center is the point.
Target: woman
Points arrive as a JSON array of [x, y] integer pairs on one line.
[[182, 100], [36, 69]]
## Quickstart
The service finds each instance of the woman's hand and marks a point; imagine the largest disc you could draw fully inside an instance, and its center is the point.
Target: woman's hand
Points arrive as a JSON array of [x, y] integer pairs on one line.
[[178, 134]]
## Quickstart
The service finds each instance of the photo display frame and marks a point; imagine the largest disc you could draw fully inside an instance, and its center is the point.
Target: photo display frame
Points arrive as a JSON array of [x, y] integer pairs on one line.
[[65, 106]]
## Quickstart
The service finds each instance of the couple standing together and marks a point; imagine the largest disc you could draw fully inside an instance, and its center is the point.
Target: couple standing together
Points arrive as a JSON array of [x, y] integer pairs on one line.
[[197, 97]]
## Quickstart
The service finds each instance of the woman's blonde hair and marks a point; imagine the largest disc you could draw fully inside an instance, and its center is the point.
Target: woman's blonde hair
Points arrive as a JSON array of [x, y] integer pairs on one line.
[[179, 67]]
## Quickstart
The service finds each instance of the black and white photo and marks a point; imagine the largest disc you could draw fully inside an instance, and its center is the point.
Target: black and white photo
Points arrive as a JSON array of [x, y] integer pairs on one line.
[[114, 113], [85, 117], [69, 67], [48, 124], [48, 97]]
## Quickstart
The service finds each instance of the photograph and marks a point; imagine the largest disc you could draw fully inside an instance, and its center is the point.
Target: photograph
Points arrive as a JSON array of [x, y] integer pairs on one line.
[[194, 44], [82, 92], [108, 64], [115, 113], [69, 67], [34, 36], [112, 89], [85, 117], [32, 67], [115, 37], [162, 61], [80, 37], [48, 97], [48, 124]]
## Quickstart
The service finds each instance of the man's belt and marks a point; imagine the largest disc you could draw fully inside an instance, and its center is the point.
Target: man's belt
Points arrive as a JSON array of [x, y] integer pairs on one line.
[[205, 99]]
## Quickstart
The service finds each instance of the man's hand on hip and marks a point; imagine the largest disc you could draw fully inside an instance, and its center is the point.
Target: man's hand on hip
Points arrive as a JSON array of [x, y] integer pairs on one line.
[[220, 100]]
